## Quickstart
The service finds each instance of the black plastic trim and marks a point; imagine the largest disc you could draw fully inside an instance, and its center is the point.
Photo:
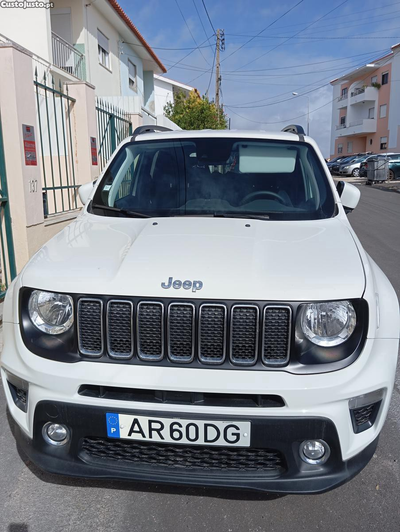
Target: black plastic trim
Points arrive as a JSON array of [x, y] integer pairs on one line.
[[305, 357], [284, 434]]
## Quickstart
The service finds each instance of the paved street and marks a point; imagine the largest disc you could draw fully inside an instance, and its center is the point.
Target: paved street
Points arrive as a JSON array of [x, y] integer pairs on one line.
[[32, 501]]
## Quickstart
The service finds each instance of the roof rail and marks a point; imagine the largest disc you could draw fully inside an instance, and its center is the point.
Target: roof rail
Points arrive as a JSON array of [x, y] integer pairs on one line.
[[148, 129], [296, 129]]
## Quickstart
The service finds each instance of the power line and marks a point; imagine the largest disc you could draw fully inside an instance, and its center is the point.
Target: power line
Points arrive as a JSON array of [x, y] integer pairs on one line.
[[272, 23], [246, 73], [187, 55], [212, 70], [262, 31], [288, 120], [208, 16], [198, 14], [190, 31], [171, 49], [295, 35]]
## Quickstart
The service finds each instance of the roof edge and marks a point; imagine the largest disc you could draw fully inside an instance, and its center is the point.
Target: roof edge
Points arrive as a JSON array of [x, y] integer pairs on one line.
[[121, 13]]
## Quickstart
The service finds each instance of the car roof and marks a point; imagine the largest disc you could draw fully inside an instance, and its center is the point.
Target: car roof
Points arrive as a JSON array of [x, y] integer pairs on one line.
[[218, 133]]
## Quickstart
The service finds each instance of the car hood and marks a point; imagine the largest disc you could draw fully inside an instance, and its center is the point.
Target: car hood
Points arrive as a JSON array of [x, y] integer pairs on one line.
[[233, 259]]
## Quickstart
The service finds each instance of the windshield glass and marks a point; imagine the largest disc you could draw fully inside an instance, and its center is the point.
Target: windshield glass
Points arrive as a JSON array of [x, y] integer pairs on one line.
[[215, 176]]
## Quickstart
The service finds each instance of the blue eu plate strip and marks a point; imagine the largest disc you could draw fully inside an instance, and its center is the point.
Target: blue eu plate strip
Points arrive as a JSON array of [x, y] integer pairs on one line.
[[112, 425]]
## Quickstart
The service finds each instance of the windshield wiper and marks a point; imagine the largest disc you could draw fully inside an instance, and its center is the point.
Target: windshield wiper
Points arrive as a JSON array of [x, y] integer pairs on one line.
[[126, 212], [239, 215]]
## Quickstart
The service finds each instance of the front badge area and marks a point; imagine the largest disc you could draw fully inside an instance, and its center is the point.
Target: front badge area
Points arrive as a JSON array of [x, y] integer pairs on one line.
[[186, 285]]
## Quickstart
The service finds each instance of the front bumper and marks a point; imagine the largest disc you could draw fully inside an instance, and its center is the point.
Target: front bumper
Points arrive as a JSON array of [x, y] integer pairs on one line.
[[86, 454], [308, 400]]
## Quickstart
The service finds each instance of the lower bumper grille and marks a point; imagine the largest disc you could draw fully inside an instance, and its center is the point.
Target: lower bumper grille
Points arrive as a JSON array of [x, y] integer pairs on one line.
[[185, 457]]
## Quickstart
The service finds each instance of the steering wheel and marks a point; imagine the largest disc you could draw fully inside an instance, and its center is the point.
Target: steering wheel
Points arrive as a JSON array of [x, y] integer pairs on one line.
[[253, 195]]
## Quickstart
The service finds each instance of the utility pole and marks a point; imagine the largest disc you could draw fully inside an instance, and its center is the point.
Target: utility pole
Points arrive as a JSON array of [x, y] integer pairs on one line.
[[217, 69]]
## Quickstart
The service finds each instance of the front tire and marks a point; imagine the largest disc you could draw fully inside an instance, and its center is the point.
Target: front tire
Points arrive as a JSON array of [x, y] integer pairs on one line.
[[391, 175], [356, 172]]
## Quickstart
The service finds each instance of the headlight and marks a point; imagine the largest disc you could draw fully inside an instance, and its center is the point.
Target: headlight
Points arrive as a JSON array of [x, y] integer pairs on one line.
[[51, 313], [328, 324]]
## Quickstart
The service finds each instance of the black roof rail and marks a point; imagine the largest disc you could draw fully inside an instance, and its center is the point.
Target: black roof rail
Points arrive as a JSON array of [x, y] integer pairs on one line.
[[296, 129], [148, 129]]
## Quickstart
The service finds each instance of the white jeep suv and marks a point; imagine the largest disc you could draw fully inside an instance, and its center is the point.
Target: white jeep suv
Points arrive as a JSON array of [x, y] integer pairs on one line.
[[210, 318]]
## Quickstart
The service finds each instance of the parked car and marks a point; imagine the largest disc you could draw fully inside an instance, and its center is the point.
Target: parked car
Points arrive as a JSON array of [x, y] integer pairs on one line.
[[208, 319], [335, 163], [352, 167], [394, 166], [334, 168]]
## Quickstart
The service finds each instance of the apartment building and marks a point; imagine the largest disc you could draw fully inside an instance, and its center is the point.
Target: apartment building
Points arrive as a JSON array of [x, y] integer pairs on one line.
[[366, 108], [94, 42]]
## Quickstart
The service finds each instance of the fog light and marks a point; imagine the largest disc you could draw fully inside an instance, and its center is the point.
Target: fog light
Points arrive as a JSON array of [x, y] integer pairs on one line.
[[55, 433], [314, 452]]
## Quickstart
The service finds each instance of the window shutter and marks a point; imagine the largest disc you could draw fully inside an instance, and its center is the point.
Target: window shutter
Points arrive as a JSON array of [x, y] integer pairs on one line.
[[103, 41]]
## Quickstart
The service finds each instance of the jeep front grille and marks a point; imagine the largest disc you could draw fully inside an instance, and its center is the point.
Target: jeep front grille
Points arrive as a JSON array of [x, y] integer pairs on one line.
[[199, 333]]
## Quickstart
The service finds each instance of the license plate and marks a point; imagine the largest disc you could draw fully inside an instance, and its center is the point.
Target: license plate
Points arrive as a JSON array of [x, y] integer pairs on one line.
[[184, 431]]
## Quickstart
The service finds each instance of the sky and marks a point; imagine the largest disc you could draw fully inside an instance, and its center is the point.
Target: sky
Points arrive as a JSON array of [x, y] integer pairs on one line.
[[272, 49]]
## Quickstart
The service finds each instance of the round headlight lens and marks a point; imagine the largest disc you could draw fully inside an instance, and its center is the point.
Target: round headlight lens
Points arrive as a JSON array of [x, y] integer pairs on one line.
[[51, 313], [328, 324]]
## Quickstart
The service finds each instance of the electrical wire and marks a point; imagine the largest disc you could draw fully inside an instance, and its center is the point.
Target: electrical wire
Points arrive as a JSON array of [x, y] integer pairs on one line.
[[295, 35], [190, 31], [172, 49], [212, 70], [288, 120], [208, 16], [262, 31], [198, 14]]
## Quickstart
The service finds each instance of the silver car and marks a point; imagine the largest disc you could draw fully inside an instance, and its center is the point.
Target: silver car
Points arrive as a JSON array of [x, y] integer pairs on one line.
[[352, 168]]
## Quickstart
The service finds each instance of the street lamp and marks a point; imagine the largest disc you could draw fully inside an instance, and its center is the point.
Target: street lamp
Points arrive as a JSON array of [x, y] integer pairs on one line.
[[308, 111]]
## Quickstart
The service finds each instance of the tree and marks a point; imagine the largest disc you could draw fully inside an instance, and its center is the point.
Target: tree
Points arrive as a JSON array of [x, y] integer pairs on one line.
[[194, 112]]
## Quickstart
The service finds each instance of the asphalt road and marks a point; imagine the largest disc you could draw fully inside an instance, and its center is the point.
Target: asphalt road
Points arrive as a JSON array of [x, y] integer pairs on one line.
[[32, 501]]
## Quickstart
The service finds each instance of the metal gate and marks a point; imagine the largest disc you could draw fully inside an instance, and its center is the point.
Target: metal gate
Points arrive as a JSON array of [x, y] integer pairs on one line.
[[54, 109], [113, 126], [7, 257]]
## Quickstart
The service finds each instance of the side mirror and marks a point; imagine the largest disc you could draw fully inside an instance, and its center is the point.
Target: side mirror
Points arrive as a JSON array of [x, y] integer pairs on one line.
[[349, 194], [85, 190]]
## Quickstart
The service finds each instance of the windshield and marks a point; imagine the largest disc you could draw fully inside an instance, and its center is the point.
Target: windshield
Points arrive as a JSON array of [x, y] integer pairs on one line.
[[215, 177]]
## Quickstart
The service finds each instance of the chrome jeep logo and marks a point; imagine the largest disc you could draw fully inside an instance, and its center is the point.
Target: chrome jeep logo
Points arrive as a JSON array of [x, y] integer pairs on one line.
[[186, 285]]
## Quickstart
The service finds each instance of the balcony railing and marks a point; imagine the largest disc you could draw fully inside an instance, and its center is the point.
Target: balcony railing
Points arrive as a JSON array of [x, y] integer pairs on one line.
[[357, 91], [341, 126], [344, 97], [68, 58]]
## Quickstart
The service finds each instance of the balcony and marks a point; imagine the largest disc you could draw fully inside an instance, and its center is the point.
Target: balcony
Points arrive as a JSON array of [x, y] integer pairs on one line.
[[342, 101], [363, 94], [361, 127], [68, 58], [340, 126]]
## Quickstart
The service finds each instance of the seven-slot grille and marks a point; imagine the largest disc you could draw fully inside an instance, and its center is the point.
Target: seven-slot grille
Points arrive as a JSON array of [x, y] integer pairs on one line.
[[210, 333]]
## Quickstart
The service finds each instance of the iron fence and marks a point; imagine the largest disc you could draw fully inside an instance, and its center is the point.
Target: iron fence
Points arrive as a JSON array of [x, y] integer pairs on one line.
[[7, 257], [54, 108], [113, 126]]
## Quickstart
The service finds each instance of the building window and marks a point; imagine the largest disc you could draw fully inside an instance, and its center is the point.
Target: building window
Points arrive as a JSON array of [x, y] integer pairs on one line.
[[374, 79], [132, 75], [343, 120], [340, 148], [350, 147], [370, 142], [344, 92], [383, 143], [371, 112], [385, 78], [103, 49], [382, 111]]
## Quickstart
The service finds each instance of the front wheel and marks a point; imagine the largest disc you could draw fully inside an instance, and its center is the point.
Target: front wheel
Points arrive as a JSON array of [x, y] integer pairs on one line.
[[391, 175], [356, 172]]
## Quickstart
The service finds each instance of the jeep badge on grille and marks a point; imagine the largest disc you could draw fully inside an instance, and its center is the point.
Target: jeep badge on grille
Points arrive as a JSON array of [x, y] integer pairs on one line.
[[186, 285]]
